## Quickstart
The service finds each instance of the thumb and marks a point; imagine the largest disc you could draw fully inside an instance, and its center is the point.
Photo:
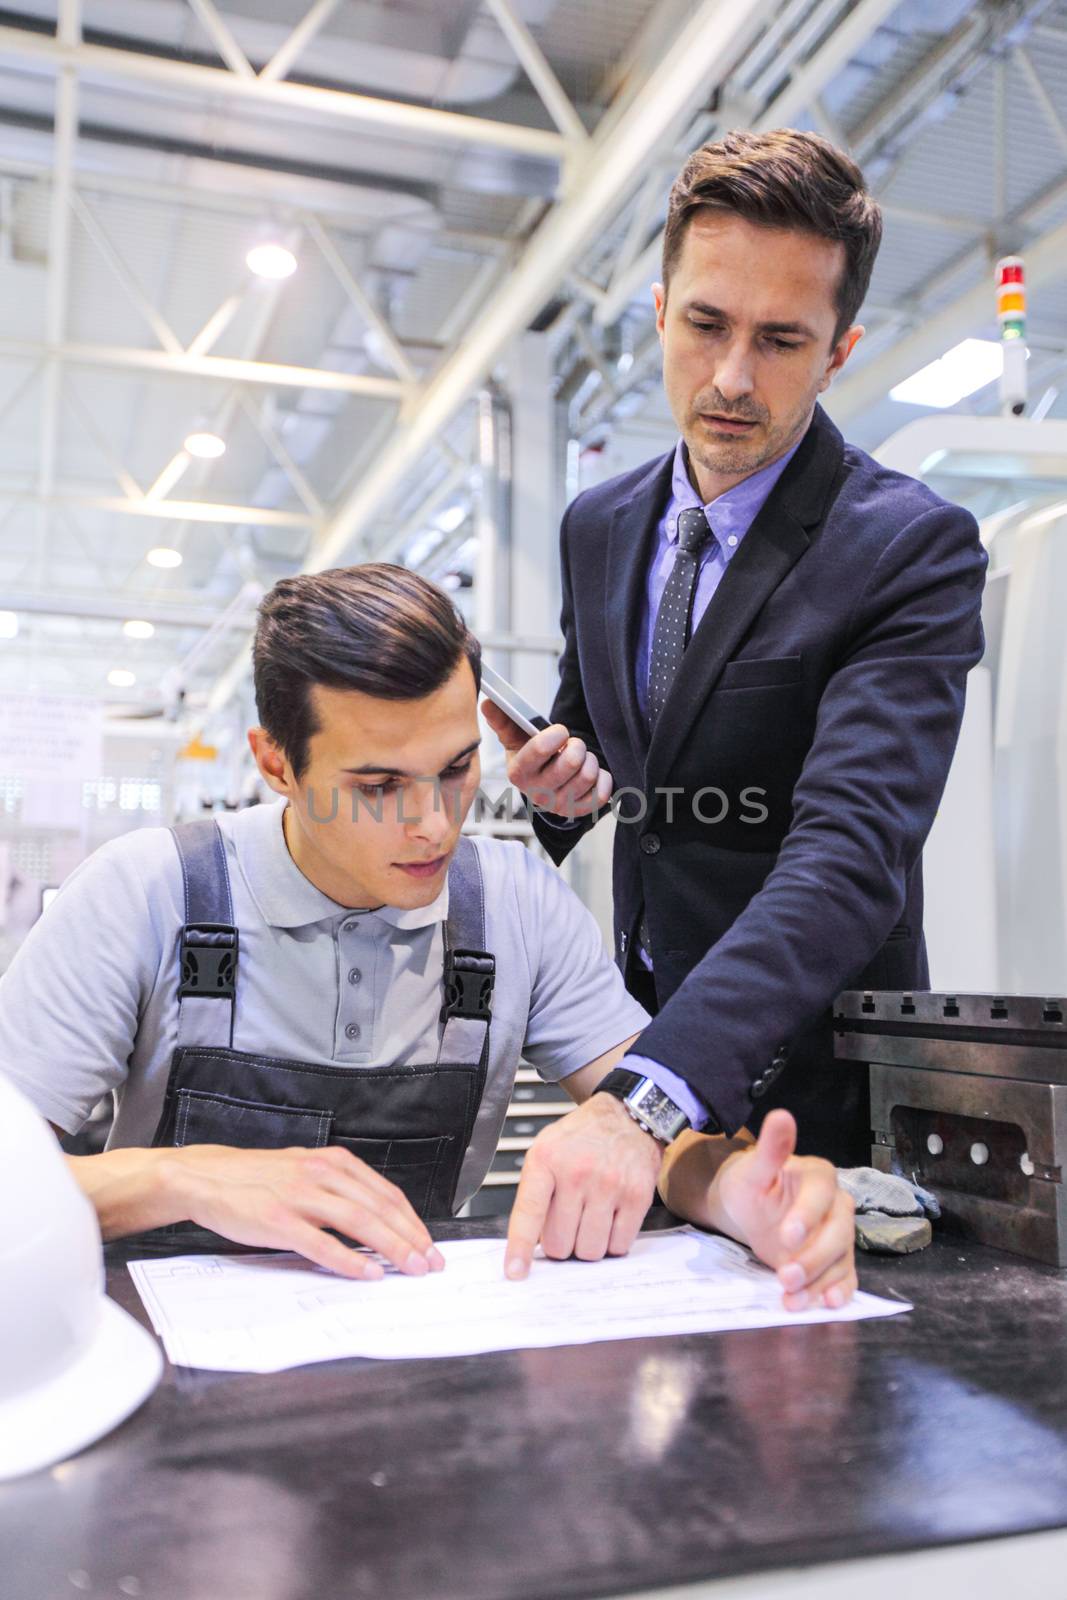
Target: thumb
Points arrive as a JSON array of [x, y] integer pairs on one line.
[[776, 1143], [511, 736]]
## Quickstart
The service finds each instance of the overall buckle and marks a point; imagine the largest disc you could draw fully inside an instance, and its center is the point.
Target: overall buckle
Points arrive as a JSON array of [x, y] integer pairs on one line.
[[208, 961], [469, 977]]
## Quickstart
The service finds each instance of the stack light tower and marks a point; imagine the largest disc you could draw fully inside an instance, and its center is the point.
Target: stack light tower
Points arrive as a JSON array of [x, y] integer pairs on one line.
[[1011, 314]]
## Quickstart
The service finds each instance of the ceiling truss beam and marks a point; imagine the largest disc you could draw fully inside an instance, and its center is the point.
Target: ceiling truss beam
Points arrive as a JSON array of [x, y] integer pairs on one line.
[[275, 445], [104, 608], [287, 54], [232, 202], [225, 369], [123, 477], [220, 84], [714, 32], [601, 183], [362, 301], [137, 297], [1041, 95], [532, 60], [163, 510], [222, 38]]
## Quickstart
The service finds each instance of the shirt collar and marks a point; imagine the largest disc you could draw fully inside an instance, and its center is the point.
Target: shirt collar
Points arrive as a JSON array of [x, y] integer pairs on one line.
[[285, 897], [732, 512]]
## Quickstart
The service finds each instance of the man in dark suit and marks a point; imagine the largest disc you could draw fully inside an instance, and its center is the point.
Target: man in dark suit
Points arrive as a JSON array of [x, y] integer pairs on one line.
[[767, 637]]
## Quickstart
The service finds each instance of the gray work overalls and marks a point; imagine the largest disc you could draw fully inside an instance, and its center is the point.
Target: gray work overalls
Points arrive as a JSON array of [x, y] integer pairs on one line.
[[411, 1123]]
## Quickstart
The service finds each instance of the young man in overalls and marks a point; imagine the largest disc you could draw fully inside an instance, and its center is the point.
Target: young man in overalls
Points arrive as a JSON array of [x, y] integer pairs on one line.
[[310, 1013]]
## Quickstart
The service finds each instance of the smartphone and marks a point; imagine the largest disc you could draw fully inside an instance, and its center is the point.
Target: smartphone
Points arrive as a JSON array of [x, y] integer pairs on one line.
[[510, 701]]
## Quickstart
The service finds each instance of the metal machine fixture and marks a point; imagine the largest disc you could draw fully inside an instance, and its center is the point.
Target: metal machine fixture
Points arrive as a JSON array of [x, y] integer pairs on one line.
[[969, 1099]]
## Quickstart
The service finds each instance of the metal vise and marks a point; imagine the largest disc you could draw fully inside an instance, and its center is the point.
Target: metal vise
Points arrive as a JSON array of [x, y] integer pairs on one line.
[[969, 1099]]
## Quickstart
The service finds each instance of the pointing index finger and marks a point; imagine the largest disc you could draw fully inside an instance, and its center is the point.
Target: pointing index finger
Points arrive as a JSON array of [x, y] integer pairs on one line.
[[536, 1187]]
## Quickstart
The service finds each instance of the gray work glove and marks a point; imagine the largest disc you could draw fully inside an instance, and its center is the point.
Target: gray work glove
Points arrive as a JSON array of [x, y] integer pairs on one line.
[[891, 1211], [887, 1192]]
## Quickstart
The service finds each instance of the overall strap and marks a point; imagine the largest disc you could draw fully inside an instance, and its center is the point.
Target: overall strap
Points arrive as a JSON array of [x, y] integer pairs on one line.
[[207, 975], [469, 967]]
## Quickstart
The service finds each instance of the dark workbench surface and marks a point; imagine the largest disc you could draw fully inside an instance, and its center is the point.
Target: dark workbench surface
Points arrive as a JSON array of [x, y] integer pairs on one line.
[[584, 1471]]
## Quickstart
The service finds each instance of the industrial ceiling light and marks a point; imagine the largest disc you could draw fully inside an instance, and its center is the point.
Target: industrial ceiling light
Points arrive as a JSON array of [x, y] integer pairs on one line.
[[451, 518], [120, 678], [271, 261], [9, 624], [961, 371], [204, 445], [163, 556], [138, 630]]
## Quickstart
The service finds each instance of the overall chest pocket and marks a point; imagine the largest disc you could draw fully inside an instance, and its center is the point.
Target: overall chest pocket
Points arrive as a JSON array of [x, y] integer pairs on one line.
[[411, 1124], [413, 1165], [208, 1117]]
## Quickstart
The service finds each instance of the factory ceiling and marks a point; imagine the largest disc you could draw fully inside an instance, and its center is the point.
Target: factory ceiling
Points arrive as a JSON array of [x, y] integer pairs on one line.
[[446, 174]]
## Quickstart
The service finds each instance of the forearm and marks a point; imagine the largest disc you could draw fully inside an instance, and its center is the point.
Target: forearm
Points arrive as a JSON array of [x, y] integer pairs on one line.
[[133, 1190], [691, 1176]]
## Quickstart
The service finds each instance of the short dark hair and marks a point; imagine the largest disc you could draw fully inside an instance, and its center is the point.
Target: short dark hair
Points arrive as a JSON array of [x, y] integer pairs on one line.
[[377, 628], [783, 179]]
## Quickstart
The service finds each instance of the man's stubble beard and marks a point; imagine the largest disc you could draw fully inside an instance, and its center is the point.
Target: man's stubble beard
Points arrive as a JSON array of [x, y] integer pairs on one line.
[[746, 457], [727, 460], [732, 458]]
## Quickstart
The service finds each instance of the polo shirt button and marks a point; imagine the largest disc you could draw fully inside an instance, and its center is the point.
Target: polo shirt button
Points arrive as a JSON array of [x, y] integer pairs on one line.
[[350, 927], [650, 844], [354, 974], [353, 1030]]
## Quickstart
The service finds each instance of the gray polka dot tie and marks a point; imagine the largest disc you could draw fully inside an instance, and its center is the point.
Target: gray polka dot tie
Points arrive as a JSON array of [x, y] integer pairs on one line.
[[672, 620]]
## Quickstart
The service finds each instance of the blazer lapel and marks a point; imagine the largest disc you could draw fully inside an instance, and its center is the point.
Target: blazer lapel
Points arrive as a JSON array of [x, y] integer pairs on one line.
[[774, 543], [630, 543]]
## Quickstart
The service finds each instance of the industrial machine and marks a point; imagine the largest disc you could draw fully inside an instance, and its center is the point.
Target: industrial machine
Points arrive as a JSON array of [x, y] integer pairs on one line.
[[995, 865], [969, 1100]]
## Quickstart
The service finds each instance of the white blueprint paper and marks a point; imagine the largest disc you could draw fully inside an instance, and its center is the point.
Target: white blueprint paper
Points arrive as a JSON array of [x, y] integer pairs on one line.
[[265, 1313]]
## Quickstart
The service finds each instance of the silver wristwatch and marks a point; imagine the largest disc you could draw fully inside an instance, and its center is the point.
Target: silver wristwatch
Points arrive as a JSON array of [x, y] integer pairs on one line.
[[651, 1108]]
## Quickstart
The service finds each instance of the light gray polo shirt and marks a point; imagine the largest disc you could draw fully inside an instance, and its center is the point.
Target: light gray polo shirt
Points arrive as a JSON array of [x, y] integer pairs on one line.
[[89, 1003]]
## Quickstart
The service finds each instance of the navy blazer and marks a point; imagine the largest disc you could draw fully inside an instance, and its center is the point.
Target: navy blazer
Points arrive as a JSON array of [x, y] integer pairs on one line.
[[805, 744]]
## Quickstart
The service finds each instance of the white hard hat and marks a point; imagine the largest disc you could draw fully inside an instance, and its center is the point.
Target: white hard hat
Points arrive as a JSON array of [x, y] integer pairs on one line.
[[72, 1363]]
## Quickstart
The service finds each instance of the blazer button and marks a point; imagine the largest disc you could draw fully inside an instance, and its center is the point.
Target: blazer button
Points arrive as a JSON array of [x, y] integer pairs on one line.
[[650, 844]]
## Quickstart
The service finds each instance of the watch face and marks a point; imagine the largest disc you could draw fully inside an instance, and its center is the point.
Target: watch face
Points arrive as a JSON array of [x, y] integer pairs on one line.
[[652, 1101], [651, 1104]]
